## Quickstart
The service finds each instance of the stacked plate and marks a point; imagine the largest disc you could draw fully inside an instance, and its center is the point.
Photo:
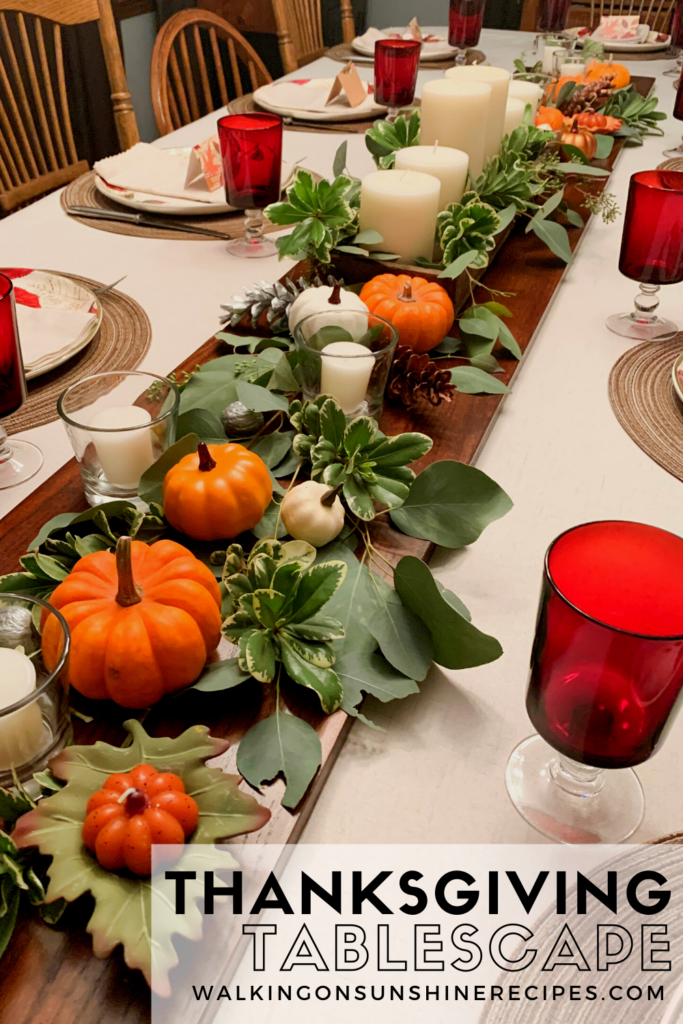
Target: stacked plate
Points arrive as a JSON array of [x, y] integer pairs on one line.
[[305, 99], [435, 45]]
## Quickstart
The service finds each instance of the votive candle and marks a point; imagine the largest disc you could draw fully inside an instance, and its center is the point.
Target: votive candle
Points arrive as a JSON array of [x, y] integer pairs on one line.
[[449, 165], [454, 114], [21, 732], [124, 453], [402, 206], [346, 371]]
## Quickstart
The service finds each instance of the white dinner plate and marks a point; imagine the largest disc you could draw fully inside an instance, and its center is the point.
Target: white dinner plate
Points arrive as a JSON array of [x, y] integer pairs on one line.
[[677, 376], [441, 50], [52, 292], [279, 98], [147, 202], [617, 46]]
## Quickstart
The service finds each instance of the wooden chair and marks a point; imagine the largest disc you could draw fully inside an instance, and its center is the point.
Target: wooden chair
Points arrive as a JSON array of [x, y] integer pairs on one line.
[[655, 13], [37, 151], [183, 87], [300, 30]]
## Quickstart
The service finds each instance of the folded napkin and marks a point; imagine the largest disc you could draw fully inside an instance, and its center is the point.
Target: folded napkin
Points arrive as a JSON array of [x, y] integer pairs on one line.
[[159, 172], [311, 95], [621, 28], [53, 315], [430, 43]]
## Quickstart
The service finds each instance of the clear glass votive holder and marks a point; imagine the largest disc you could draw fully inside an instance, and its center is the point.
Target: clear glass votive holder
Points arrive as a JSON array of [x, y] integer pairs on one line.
[[539, 78], [346, 353], [34, 695], [117, 436]]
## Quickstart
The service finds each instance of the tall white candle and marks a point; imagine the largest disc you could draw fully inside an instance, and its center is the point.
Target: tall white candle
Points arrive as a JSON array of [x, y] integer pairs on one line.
[[402, 206], [447, 164], [455, 114], [21, 732], [548, 55], [514, 115], [499, 80], [124, 454], [346, 371], [528, 92]]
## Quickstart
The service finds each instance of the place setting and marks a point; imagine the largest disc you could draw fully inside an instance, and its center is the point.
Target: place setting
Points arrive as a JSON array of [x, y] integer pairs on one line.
[[440, 47]]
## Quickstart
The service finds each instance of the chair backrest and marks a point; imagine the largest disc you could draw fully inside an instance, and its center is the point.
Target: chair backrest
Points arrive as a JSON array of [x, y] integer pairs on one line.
[[300, 30], [655, 13], [37, 151], [185, 86]]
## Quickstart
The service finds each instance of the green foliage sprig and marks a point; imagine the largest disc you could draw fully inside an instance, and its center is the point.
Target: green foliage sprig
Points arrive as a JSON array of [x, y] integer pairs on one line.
[[323, 211], [639, 114], [385, 137], [468, 227]]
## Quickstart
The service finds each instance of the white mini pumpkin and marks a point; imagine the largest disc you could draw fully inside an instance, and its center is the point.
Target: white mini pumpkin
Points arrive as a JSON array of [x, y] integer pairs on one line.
[[306, 518], [352, 311]]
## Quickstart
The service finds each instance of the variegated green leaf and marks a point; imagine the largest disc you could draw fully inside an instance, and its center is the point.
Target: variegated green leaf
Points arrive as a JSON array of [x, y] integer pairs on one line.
[[359, 434], [259, 655], [317, 586], [319, 654], [268, 605], [358, 499], [319, 628], [324, 681]]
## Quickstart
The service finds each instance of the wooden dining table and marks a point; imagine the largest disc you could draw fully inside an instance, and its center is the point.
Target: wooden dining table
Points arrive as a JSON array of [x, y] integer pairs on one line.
[[436, 774]]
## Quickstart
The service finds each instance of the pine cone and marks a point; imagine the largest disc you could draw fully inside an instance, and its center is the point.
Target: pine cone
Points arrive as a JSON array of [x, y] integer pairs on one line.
[[414, 375], [591, 96], [272, 299]]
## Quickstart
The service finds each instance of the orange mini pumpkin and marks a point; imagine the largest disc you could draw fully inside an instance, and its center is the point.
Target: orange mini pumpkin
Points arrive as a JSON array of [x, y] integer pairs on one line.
[[217, 492], [420, 310], [581, 138], [551, 116], [134, 811], [143, 622], [621, 76]]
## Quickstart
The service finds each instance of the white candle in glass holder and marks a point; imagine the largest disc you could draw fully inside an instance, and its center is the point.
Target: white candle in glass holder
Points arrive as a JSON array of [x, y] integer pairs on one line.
[[21, 732], [549, 55], [402, 206], [124, 454], [527, 92], [447, 164], [499, 80], [573, 69], [455, 115], [514, 115], [346, 371]]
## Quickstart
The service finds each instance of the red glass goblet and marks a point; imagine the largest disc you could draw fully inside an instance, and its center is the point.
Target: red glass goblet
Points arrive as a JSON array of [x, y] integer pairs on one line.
[[677, 151], [677, 41], [396, 64], [251, 148], [651, 251], [19, 460], [464, 26], [606, 674], [551, 15]]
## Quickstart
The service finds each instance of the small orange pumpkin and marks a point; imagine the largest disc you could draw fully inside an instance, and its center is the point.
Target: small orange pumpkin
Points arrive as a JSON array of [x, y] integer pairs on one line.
[[420, 310], [555, 87], [582, 138], [589, 119], [143, 622], [217, 493], [551, 116], [599, 69], [132, 812]]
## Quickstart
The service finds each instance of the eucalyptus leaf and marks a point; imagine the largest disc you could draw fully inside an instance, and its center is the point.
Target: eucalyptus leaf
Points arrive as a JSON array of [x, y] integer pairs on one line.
[[458, 266], [222, 675], [259, 399], [555, 237], [470, 380], [506, 216], [206, 425], [339, 162], [574, 218], [368, 237], [403, 638], [281, 744], [272, 448], [605, 146], [151, 483], [451, 504], [266, 525], [370, 673]]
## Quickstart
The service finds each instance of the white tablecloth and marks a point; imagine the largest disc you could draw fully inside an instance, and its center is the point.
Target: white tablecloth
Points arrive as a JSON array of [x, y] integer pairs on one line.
[[437, 774]]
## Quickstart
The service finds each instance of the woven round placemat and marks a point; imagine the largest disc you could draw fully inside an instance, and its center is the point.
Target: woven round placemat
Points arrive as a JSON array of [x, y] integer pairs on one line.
[[669, 54], [82, 192], [644, 401], [344, 52], [121, 343], [247, 105], [674, 164]]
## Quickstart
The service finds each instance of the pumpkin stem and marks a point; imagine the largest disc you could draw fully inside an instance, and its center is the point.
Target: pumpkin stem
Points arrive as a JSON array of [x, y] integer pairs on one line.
[[575, 126], [335, 297], [128, 593], [328, 497], [206, 462], [407, 293]]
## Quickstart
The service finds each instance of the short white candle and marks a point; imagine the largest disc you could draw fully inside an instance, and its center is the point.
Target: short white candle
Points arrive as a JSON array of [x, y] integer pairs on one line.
[[448, 165], [124, 454], [514, 115], [499, 80], [572, 70], [403, 207], [21, 732], [527, 92], [455, 115], [346, 371], [548, 55]]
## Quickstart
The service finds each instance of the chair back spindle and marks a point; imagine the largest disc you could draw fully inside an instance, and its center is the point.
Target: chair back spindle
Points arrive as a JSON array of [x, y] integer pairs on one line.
[[300, 30]]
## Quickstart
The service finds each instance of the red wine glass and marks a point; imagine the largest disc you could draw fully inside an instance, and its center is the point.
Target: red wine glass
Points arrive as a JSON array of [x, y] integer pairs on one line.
[[551, 16], [465, 19], [19, 460], [251, 149], [677, 151], [651, 251], [606, 674], [396, 64], [677, 43]]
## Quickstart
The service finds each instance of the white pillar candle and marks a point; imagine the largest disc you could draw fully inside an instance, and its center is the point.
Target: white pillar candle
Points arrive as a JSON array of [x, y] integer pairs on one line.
[[527, 92], [21, 732], [124, 454], [448, 165], [455, 114], [548, 55], [514, 115], [402, 206], [346, 371], [499, 80]]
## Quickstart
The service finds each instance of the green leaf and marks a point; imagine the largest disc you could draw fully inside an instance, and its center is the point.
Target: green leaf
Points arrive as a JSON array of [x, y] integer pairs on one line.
[[605, 146], [339, 163], [399, 450], [353, 603], [506, 217], [324, 681], [576, 155], [266, 525], [574, 218], [456, 268], [9, 919], [451, 504], [59, 521], [206, 425], [471, 381], [51, 567], [358, 498], [368, 237], [497, 308], [370, 673], [332, 422], [222, 675], [280, 744], [260, 399], [565, 94], [359, 434], [577, 168], [272, 448], [282, 378], [403, 638], [211, 389], [548, 207], [457, 643], [13, 805], [555, 237], [259, 655], [151, 486], [318, 584]]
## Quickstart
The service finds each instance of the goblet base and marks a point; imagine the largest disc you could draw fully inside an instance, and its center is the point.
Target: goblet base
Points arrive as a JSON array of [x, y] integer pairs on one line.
[[252, 249], [629, 325], [19, 461], [570, 802]]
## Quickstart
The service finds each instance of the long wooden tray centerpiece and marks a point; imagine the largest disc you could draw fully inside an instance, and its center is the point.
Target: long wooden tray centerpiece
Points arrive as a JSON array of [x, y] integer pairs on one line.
[[49, 972]]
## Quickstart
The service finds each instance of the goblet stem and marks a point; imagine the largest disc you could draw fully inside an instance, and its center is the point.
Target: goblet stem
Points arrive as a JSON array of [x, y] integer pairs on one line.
[[643, 324], [675, 152], [576, 779], [19, 460], [461, 57], [254, 245], [675, 71], [392, 114]]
